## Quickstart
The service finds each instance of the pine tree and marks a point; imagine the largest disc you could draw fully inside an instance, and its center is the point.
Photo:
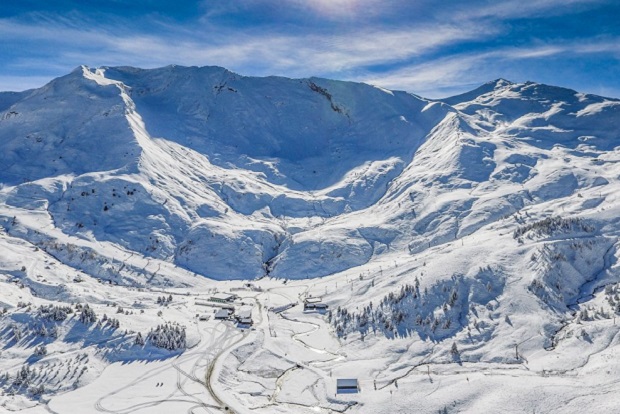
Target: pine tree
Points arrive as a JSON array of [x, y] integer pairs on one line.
[[41, 350], [454, 351], [139, 340], [17, 332], [22, 377], [87, 315]]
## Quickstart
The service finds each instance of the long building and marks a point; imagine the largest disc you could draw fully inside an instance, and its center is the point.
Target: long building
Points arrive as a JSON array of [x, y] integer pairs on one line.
[[222, 297]]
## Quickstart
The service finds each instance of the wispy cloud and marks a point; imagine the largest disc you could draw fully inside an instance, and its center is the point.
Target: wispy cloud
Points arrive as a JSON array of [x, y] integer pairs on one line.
[[604, 45], [449, 75], [400, 44], [267, 52], [339, 8], [437, 78], [513, 9]]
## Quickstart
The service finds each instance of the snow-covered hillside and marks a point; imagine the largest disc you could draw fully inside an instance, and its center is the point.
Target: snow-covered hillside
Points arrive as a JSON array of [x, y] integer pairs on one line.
[[466, 247]]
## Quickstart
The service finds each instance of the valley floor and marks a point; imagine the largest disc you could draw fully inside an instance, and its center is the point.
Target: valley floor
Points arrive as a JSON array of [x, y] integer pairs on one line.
[[289, 361]]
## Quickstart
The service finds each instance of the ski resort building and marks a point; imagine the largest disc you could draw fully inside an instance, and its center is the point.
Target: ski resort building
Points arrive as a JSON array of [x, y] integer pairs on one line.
[[244, 317], [222, 297], [314, 303], [347, 386], [320, 306], [222, 314]]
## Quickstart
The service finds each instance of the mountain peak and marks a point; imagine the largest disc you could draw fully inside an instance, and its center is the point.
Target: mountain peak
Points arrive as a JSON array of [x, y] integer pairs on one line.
[[500, 83], [483, 89]]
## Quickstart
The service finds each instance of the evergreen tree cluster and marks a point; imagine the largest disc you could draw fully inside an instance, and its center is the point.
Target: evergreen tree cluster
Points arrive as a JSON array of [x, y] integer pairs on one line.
[[437, 312], [40, 350], [23, 377], [168, 336], [162, 300], [139, 341], [554, 225], [37, 390], [45, 332], [612, 310], [55, 313], [87, 315], [24, 381], [109, 322], [613, 297], [18, 334]]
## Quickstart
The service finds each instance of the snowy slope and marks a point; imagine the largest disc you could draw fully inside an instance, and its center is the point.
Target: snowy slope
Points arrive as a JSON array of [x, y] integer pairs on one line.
[[459, 243], [126, 144]]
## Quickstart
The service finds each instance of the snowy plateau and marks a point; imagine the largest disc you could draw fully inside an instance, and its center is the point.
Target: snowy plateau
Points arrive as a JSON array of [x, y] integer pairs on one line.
[[190, 240]]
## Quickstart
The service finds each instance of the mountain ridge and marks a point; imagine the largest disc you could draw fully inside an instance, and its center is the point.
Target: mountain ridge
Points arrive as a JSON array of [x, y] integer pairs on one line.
[[273, 150]]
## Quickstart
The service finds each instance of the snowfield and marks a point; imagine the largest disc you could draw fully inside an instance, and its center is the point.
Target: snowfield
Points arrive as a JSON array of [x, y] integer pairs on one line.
[[456, 255]]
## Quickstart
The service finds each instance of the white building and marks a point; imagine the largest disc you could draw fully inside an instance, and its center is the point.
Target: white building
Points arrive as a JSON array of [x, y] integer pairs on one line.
[[244, 316], [222, 297], [222, 314]]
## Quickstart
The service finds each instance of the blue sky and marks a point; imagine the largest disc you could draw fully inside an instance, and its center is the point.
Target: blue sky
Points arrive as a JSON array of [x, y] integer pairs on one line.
[[429, 47]]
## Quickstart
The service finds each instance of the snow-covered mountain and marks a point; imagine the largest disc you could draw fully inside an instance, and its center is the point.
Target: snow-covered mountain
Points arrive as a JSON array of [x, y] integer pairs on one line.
[[473, 230], [177, 162]]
